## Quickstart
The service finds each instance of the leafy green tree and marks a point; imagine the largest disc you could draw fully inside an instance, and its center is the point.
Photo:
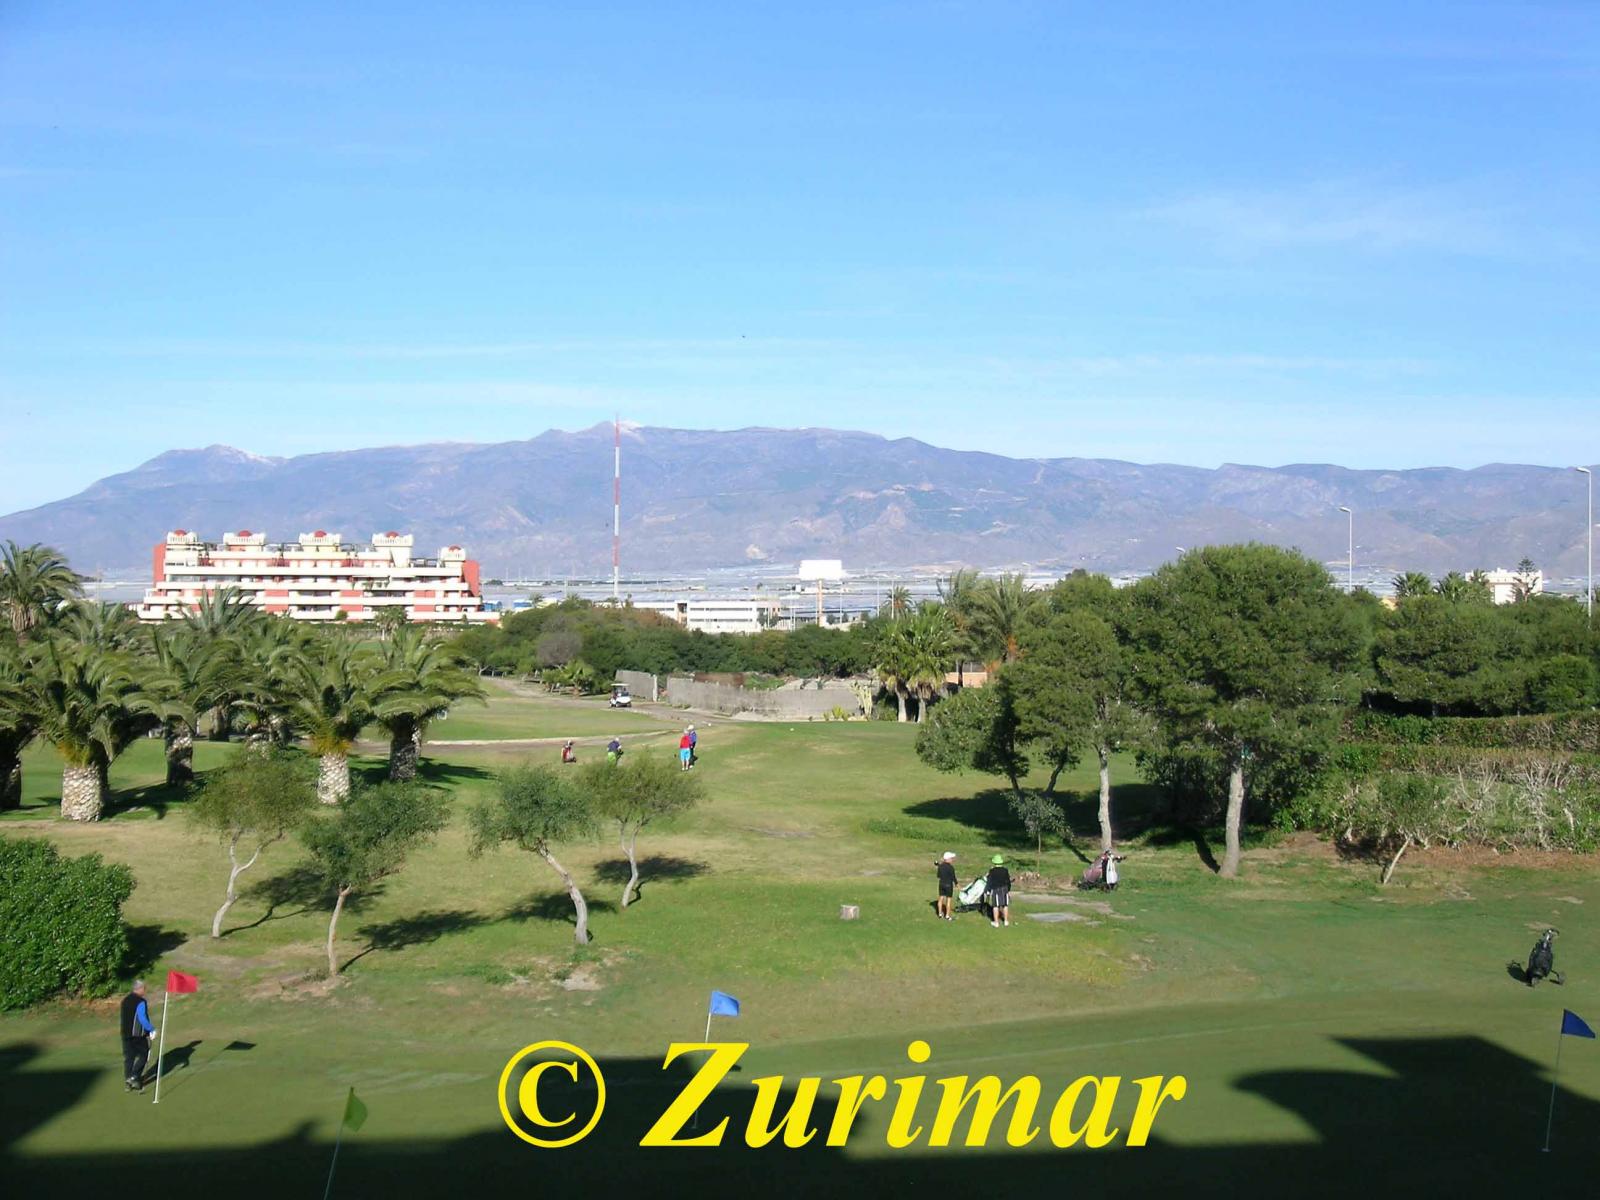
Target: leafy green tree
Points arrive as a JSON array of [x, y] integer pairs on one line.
[[416, 683], [537, 808], [89, 704], [250, 804], [1434, 653], [644, 790], [1563, 683], [35, 583], [976, 730], [1399, 812], [1070, 688], [1245, 652], [1042, 817], [330, 687], [368, 838]]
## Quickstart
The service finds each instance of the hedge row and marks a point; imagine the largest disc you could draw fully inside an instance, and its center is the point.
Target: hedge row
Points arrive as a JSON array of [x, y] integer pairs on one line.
[[1571, 732]]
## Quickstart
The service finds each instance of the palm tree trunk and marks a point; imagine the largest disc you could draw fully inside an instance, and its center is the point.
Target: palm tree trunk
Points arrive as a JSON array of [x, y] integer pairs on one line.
[[333, 926], [333, 777], [10, 780], [1230, 858], [83, 796], [405, 751], [180, 754], [219, 724], [580, 906], [1105, 797], [900, 699]]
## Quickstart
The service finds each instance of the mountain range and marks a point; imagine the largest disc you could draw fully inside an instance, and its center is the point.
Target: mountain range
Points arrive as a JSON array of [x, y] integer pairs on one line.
[[697, 499]]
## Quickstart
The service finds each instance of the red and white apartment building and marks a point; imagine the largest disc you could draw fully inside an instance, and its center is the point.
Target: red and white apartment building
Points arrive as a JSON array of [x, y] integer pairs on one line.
[[317, 578]]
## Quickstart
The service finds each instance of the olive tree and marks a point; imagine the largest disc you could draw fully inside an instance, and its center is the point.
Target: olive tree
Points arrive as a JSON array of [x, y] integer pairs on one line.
[[536, 808], [647, 788], [368, 838], [250, 804]]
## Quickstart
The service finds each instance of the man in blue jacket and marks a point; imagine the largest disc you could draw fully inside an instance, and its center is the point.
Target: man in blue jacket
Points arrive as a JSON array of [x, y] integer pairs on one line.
[[136, 1031]]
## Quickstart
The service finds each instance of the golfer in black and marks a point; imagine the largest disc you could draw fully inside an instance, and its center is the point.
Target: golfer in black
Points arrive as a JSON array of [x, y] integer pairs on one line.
[[947, 885], [999, 892], [136, 1030]]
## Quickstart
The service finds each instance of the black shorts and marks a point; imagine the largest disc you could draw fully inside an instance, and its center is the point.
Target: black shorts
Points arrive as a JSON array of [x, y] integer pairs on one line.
[[946, 890], [1000, 898]]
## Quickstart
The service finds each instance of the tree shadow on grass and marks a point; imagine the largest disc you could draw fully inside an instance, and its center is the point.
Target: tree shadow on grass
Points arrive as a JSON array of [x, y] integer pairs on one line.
[[301, 890], [146, 945], [154, 798], [988, 812], [555, 906], [658, 868], [416, 930]]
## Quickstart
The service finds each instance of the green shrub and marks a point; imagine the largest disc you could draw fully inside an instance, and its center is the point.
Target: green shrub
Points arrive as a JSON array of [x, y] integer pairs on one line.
[[1572, 732], [62, 919]]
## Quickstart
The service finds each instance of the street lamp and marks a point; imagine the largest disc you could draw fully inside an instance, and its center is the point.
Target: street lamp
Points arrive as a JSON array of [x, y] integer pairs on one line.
[[1350, 562], [1588, 539]]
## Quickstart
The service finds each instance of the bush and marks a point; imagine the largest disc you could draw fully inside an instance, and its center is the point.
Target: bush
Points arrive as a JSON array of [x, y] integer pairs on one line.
[[1572, 732], [63, 922]]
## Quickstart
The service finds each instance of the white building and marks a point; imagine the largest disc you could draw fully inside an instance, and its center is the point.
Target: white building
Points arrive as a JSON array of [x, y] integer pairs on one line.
[[317, 578], [1504, 585], [718, 615]]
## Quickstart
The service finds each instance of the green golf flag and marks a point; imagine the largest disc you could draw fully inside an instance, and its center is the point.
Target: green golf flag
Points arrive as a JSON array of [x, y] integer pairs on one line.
[[355, 1113]]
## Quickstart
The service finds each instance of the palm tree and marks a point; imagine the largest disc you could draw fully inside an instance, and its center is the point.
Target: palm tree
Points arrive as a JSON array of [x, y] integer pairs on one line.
[[35, 581], [17, 725], [891, 650], [268, 652], [1454, 587], [200, 677], [930, 636], [417, 682], [218, 627], [90, 703], [106, 626], [330, 690], [999, 607], [1411, 583], [957, 593], [898, 603]]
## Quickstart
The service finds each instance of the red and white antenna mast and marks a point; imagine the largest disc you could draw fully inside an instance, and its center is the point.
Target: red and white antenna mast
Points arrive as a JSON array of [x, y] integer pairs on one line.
[[616, 510]]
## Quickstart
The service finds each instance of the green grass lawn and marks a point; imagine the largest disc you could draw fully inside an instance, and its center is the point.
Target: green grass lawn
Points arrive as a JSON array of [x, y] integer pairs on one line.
[[1335, 1035]]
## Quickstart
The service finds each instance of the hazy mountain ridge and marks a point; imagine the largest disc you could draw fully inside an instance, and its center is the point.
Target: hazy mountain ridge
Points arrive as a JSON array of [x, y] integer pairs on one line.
[[694, 499]]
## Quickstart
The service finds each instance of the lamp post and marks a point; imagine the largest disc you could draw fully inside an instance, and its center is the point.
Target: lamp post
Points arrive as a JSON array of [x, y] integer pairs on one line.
[[1588, 541], [1350, 561]]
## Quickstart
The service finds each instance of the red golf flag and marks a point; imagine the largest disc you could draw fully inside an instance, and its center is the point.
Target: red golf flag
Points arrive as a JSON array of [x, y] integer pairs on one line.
[[178, 983]]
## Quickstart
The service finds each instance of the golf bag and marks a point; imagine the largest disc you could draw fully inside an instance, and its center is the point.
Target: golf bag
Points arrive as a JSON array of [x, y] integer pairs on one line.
[[1542, 959], [971, 896]]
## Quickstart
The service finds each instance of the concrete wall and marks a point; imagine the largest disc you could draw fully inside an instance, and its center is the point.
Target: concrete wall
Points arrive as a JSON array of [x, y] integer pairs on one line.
[[641, 684], [794, 701]]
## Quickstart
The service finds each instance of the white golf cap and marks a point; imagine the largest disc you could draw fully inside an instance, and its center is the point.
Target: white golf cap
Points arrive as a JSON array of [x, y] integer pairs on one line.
[[949, 854]]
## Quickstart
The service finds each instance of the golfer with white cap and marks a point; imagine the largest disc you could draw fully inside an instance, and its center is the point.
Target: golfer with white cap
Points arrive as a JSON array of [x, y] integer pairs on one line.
[[947, 884]]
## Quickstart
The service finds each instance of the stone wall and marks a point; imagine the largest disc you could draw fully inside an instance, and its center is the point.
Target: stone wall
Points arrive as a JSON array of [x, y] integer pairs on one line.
[[805, 699]]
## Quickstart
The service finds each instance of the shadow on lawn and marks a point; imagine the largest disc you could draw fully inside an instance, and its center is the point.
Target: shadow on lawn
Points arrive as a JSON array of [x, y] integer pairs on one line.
[[146, 945], [658, 868], [416, 930], [1455, 1116], [555, 906]]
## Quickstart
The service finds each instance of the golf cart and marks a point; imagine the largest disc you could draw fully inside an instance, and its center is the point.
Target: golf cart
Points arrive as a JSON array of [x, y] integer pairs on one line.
[[620, 697]]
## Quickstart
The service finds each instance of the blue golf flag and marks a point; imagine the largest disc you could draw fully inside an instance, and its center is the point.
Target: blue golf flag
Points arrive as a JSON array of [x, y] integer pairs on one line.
[[1572, 1025], [724, 1005]]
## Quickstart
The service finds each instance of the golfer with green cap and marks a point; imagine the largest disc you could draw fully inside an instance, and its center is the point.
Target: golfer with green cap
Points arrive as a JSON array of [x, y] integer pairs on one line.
[[999, 892]]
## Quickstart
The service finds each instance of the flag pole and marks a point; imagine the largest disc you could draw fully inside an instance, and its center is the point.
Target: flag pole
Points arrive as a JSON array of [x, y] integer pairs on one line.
[[161, 1049], [1555, 1076], [337, 1142], [694, 1123]]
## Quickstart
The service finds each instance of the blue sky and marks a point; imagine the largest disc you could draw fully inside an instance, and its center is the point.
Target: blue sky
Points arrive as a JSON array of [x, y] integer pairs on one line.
[[1359, 233]]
